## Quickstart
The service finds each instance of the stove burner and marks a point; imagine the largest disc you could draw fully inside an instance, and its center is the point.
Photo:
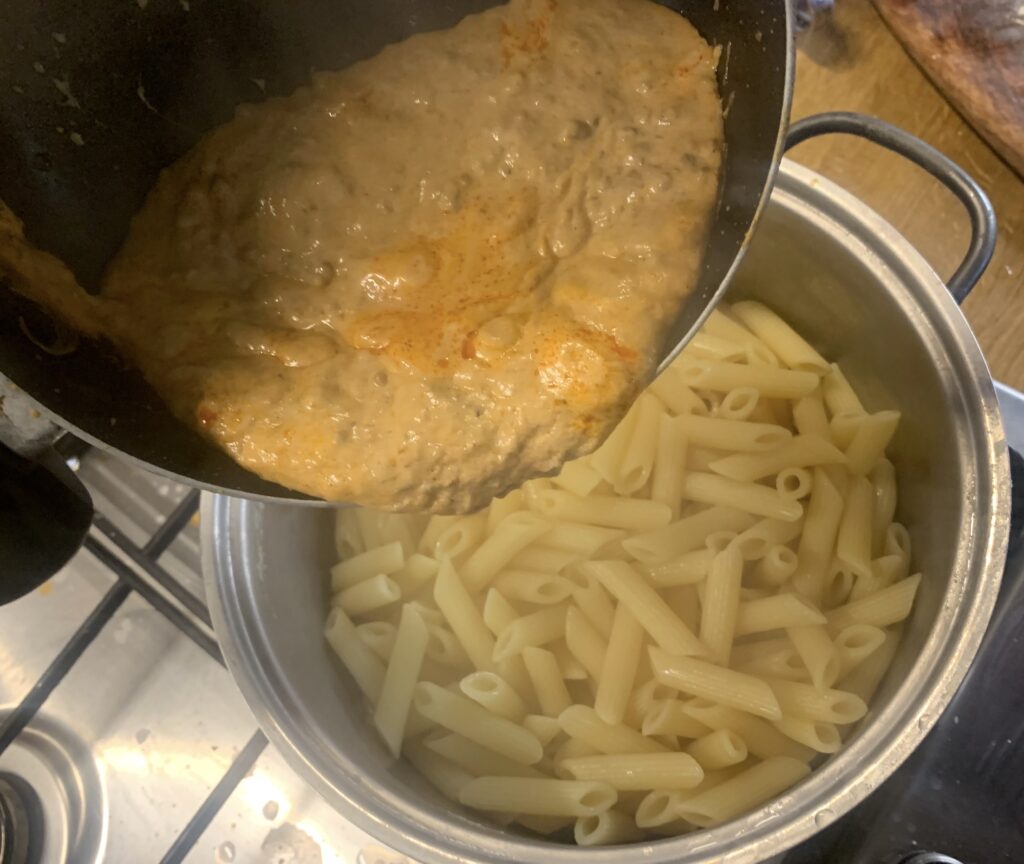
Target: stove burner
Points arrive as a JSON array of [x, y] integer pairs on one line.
[[21, 821], [929, 858]]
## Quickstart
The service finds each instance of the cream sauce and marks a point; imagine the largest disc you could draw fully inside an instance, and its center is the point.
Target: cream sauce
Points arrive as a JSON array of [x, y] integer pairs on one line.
[[424, 279]]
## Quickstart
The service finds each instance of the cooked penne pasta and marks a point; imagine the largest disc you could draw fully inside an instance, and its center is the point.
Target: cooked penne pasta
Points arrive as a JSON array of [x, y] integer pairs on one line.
[[721, 603], [803, 451], [778, 565], [818, 653], [638, 458], [392, 709], [513, 534], [754, 786], [414, 574], [735, 435], [448, 778], [581, 722], [770, 381], [669, 717], [581, 540], [538, 628], [888, 606], [584, 641], [615, 682], [578, 477], [748, 497], [531, 587], [464, 618], [379, 637], [548, 684], [810, 418], [606, 829], [828, 706], [686, 534], [543, 559], [607, 459], [755, 541], [818, 735], [669, 463], [854, 644], [460, 538], [763, 740], [494, 693], [607, 511], [873, 435], [380, 560], [368, 595], [853, 541], [788, 345], [476, 760], [776, 612], [719, 749], [883, 481], [638, 770], [540, 797], [839, 396], [363, 665], [817, 543]]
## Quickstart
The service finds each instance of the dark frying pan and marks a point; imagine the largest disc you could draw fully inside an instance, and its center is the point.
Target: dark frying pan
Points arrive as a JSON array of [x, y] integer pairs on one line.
[[96, 98]]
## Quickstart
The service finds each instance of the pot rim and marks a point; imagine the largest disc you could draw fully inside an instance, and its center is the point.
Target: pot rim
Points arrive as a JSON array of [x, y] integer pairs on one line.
[[827, 792]]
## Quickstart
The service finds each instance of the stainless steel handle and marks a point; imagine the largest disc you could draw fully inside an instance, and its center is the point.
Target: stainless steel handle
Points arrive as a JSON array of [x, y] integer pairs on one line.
[[941, 167]]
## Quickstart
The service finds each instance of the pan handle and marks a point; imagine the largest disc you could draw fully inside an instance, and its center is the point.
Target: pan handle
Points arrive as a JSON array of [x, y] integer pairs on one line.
[[942, 168]]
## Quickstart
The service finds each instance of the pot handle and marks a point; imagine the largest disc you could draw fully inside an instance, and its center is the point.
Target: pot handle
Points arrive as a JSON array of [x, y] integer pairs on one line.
[[941, 167]]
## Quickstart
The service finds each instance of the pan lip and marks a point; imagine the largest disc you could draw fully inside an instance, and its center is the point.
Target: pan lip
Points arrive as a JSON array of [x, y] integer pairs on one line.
[[831, 790]]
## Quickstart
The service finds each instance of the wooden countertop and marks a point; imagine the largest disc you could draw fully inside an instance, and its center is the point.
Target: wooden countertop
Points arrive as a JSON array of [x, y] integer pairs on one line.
[[853, 63]]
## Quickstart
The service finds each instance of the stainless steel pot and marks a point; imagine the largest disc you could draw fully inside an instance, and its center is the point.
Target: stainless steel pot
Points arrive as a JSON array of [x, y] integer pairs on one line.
[[866, 298]]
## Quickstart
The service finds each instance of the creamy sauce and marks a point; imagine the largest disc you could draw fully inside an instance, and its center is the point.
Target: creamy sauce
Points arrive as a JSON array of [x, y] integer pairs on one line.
[[428, 277]]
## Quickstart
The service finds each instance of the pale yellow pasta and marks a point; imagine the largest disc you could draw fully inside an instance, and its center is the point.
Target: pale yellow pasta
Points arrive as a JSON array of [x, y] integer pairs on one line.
[[463, 617], [736, 435], [581, 539], [719, 749], [368, 522], [721, 604], [498, 613], [546, 677], [384, 560], [854, 644], [543, 559], [545, 825], [392, 709], [619, 669], [546, 729], [415, 573], [368, 595], [897, 541], [448, 778], [537, 628], [888, 606], [817, 543], [818, 653], [865, 678], [578, 477], [540, 797], [810, 418], [838, 585], [883, 481], [853, 541], [584, 641], [776, 612], [784, 663], [570, 748], [363, 665], [684, 600], [709, 346], [763, 740], [500, 508], [769, 381], [459, 714], [738, 404], [477, 760], [679, 398], [404, 528], [669, 463], [379, 637], [688, 569], [638, 457], [715, 683], [788, 345], [460, 538], [839, 396], [669, 717], [494, 693], [511, 536], [755, 541], [444, 648], [873, 435], [628, 587], [827, 705], [347, 538], [531, 587], [435, 527], [660, 807], [754, 786], [638, 770], [751, 498], [794, 483], [820, 736], [686, 534], [607, 458], [606, 829], [843, 428], [608, 511], [803, 451], [778, 565], [581, 722]]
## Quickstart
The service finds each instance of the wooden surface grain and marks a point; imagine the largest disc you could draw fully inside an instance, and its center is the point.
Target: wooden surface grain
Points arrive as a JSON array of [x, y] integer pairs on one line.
[[974, 52], [850, 61]]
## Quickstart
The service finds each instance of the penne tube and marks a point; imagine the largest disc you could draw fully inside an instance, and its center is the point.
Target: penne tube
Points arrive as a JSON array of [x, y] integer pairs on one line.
[[817, 543], [721, 603], [838, 585], [719, 749], [873, 435], [686, 534], [498, 613], [733, 435], [638, 457], [788, 345], [794, 483], [607, 458], [888, 606], [777, 567], [803, 451], [746, 790], [828, 705], [708, 346], [585, 643], [839, 396], [883, 482], [785, 664], [363, 665], [582, 723], [628, 587], [578, 477], [464, 618], [381, 560], [368, 595], [607, 511], [581, 540], [347, 539], [854, 644], [818, 653], [458, 714], [669, 464], [638, 771], [494, 693], [414, 574], [669, 717], [715, 683], [537, 628], [460, 538], [548, 684], [609, 828], [810, 418], [546, 729], [820, 736], [659, 808], [476, 760], [738, 404], [688, 569], [501, 508], [615, 682], [866, 676], [763, 740], [776, 612], [853, 541], [677, 397], [511, 536], [755, 541], [403, 670], [543, 559], [539, 797], [770, 381], [379, 637], [571, 668], [541, 589], [748, 497], [448, 778]]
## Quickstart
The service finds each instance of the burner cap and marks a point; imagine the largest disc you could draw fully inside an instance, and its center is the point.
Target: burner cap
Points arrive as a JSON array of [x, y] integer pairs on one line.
[[929, 858], [21, 821]]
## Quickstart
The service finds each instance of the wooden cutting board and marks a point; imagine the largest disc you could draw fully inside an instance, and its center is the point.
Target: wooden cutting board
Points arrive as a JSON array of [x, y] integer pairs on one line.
[[973, 50]]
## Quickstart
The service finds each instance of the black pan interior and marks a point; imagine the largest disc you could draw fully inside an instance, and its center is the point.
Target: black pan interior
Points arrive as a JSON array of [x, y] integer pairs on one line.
[[97, 97]]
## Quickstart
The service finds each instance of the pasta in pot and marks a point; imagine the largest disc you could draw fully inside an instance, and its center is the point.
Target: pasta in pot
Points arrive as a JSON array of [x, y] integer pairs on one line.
[[669, 633]]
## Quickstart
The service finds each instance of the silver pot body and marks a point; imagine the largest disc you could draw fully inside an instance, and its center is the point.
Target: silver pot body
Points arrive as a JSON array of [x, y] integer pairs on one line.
[[865, 298]]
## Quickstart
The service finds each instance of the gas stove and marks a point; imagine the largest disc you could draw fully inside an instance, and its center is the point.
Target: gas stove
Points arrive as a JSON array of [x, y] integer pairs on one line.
[[124, 739]]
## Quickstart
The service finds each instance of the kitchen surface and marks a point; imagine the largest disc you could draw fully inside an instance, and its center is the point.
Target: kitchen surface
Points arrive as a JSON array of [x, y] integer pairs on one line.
[[145, 750]]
